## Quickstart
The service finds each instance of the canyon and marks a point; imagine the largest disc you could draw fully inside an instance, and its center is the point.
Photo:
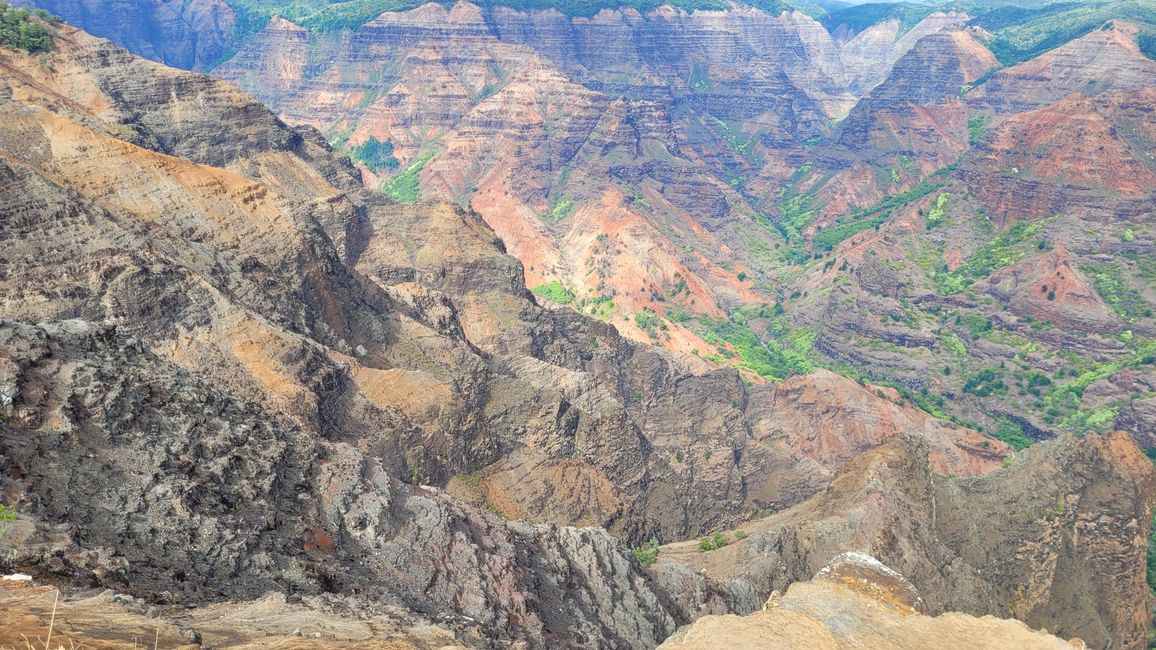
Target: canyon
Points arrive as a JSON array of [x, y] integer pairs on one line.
[[472, 334]]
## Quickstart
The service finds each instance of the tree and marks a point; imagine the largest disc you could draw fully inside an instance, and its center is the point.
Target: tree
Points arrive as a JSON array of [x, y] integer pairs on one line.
[[24, 30]]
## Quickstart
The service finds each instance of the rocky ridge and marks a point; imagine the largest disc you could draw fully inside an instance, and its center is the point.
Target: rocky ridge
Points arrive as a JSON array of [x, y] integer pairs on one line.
[[857, 602]]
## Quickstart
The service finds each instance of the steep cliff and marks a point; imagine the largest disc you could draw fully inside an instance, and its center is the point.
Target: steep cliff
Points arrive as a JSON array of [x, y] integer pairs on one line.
[[1006, 544]]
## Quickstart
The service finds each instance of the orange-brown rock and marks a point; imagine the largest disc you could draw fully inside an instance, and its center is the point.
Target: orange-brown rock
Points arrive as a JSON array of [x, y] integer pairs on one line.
[[1069, 157], [1051, 288], [1058, 505], [857, 602]]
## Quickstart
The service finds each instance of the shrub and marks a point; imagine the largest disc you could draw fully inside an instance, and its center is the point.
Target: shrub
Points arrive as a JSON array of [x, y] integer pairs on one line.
[[554, 290], [1013, 435], [740, 534], [985, 383], [375, 154], [712, 542], [976, 128], [647, 554]]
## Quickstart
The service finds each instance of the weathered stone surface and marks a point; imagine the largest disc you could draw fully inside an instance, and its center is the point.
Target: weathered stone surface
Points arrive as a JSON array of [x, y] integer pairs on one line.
[[855, 602], [1065, 503]]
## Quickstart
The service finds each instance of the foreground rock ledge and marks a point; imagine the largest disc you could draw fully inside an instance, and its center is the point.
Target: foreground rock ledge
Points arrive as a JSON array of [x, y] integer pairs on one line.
[[857, 602]]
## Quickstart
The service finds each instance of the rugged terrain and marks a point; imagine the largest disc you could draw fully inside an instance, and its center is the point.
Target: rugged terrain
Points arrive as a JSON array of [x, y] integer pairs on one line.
[[229, 368], [857, 602], [874, 172]]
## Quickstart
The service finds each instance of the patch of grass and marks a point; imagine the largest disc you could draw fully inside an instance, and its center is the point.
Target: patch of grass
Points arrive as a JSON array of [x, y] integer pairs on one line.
[[952, 344], [938, 210], [492, 508], [405, 186], [1109, 282], [600, 307], [560, 209], [1001, 252], [554, 290]]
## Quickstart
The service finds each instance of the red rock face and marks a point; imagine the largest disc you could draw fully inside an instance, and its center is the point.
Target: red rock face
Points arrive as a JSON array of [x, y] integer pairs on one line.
[[1104, 59], [634, 128], [1070, 157], [1049, 287]]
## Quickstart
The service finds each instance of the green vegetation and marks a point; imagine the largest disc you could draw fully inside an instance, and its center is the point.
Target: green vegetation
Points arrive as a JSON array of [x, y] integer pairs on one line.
[[1013, 434], [375, 154], [938, 210], [740, 535], [329, 16], [1025, 31], [650, 322], [795, 214], [1002, 251], [976, 129], [600, 307], [1109, 282], [862, 219], [554, 290], [492, 508], [1152, 557], [985, 383], [828, 238], [1062, 406], [862, 16], [952, 344], [647, 554], [712, 542], [560, 209], [21, 29], [405, 188], [786, 354], [1020, 30]]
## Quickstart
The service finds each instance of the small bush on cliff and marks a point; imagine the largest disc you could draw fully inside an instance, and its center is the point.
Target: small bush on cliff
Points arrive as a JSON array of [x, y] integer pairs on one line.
[[6, 515], [554, 290], [20, 31], [647, 554], [712, 542]]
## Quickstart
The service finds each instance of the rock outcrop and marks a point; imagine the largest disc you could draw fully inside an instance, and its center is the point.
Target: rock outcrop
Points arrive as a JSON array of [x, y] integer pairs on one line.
[[857, 602], [1064, 503]]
